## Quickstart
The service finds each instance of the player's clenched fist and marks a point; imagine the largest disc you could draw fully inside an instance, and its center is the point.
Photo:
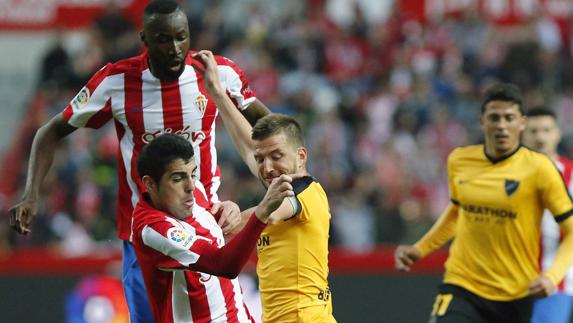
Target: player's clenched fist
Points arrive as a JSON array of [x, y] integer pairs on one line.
[[21, 216], [405, 256], [279, 189]]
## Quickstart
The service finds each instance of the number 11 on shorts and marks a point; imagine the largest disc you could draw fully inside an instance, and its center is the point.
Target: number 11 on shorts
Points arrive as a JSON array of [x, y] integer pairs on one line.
[[441, 304]]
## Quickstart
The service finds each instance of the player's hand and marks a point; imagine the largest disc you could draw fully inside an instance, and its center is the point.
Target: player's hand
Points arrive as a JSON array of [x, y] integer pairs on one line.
[[22, 214], [229, 215], [207, 66], [279, 189], [405, 256], [541, 286]]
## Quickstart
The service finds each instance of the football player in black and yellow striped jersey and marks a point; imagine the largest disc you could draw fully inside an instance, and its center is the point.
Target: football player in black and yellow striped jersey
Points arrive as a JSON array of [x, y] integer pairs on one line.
[[498, 193]]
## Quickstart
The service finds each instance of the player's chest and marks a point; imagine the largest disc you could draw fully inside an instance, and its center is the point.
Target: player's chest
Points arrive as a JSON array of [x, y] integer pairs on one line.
[[502, 185], [204, 225], [176, 107]]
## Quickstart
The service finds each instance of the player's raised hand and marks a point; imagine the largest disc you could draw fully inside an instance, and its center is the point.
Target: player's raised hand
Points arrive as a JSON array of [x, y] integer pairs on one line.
[[205, 63], [405, 256], [541, 286], [229, 215], [22, 214], [279, 189]]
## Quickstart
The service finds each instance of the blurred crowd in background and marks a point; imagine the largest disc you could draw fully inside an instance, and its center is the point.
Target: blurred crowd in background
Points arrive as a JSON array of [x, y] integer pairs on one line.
[[383, 99]]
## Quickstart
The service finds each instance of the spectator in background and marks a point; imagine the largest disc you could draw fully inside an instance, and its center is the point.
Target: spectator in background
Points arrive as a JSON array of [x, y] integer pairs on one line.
[[498, 192], [543, 135], [115, 33]]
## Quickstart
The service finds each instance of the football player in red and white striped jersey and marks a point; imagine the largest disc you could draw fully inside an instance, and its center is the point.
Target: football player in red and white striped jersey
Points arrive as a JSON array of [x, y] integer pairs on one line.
[[543, 134], [189, 271], [156, 92]]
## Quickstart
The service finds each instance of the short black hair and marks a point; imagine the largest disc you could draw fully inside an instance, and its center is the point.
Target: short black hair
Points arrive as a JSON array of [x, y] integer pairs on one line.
[[276, 123], [503, 92], [160, 7], [541, 111], [155, 156]]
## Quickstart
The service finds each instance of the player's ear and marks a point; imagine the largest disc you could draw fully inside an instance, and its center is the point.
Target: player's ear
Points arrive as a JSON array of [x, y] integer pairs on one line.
[[149, 183], [142, 37], [302, 156]]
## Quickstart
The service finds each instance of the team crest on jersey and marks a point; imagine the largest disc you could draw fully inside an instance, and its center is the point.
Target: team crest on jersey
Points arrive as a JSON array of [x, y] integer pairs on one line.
[[511, 186], [201, 103], [178, 235], [81, 98]]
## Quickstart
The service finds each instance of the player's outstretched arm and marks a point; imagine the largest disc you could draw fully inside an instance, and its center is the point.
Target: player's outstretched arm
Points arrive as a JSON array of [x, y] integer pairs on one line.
[[235, 123], [230, 259], [442, 231], [41, 158]]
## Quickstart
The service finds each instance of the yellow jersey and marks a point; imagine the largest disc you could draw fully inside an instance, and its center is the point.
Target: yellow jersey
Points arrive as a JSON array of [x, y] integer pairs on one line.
[[500, 204], [293, 260]]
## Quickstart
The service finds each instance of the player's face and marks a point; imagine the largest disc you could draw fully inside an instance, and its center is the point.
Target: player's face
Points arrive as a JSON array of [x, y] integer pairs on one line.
[[275, 156], [542, 134], [166, 37], [174, 193], [502, 124]]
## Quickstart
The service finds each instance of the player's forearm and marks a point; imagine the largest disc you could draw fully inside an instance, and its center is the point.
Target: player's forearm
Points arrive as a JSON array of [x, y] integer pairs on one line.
[[239, 129], [229, 260], [42, 153], [563, 259], [245, 216], [442, 231]]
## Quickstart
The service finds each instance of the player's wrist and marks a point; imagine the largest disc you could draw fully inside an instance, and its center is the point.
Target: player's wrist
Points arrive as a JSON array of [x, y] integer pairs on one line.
[[551, 277], [262, 213], [31, 196]]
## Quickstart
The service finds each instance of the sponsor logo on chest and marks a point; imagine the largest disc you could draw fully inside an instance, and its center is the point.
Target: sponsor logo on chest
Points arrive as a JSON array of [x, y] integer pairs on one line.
[[196, 137]]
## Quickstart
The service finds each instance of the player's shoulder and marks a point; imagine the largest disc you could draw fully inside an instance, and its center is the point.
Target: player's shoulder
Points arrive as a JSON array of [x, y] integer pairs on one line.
[[533, 156], [224, 61], [145, 214], [124, 65], [464, 152], [302, 183]]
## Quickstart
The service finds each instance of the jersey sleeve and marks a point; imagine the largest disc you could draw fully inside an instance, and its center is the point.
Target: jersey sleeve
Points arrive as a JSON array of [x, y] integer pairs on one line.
[[300, 204], [178, 246], [553, 190], [91, 107], [235, 83]]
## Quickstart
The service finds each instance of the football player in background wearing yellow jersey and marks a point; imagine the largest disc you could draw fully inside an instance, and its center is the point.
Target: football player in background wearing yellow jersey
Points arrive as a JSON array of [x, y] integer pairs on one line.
[[499, 191], [293, 254]]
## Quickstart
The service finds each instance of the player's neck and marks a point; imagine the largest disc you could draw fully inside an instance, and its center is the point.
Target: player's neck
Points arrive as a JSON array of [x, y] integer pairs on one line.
[[494, 154], [159, 74]]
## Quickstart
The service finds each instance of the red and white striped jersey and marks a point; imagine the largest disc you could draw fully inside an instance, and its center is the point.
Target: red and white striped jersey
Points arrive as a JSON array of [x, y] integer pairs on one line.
[[551, 233], [144, 107], [165, 247]]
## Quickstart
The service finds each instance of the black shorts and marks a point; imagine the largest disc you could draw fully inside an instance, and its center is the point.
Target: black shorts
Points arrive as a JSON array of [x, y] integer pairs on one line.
[[455, 304]]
